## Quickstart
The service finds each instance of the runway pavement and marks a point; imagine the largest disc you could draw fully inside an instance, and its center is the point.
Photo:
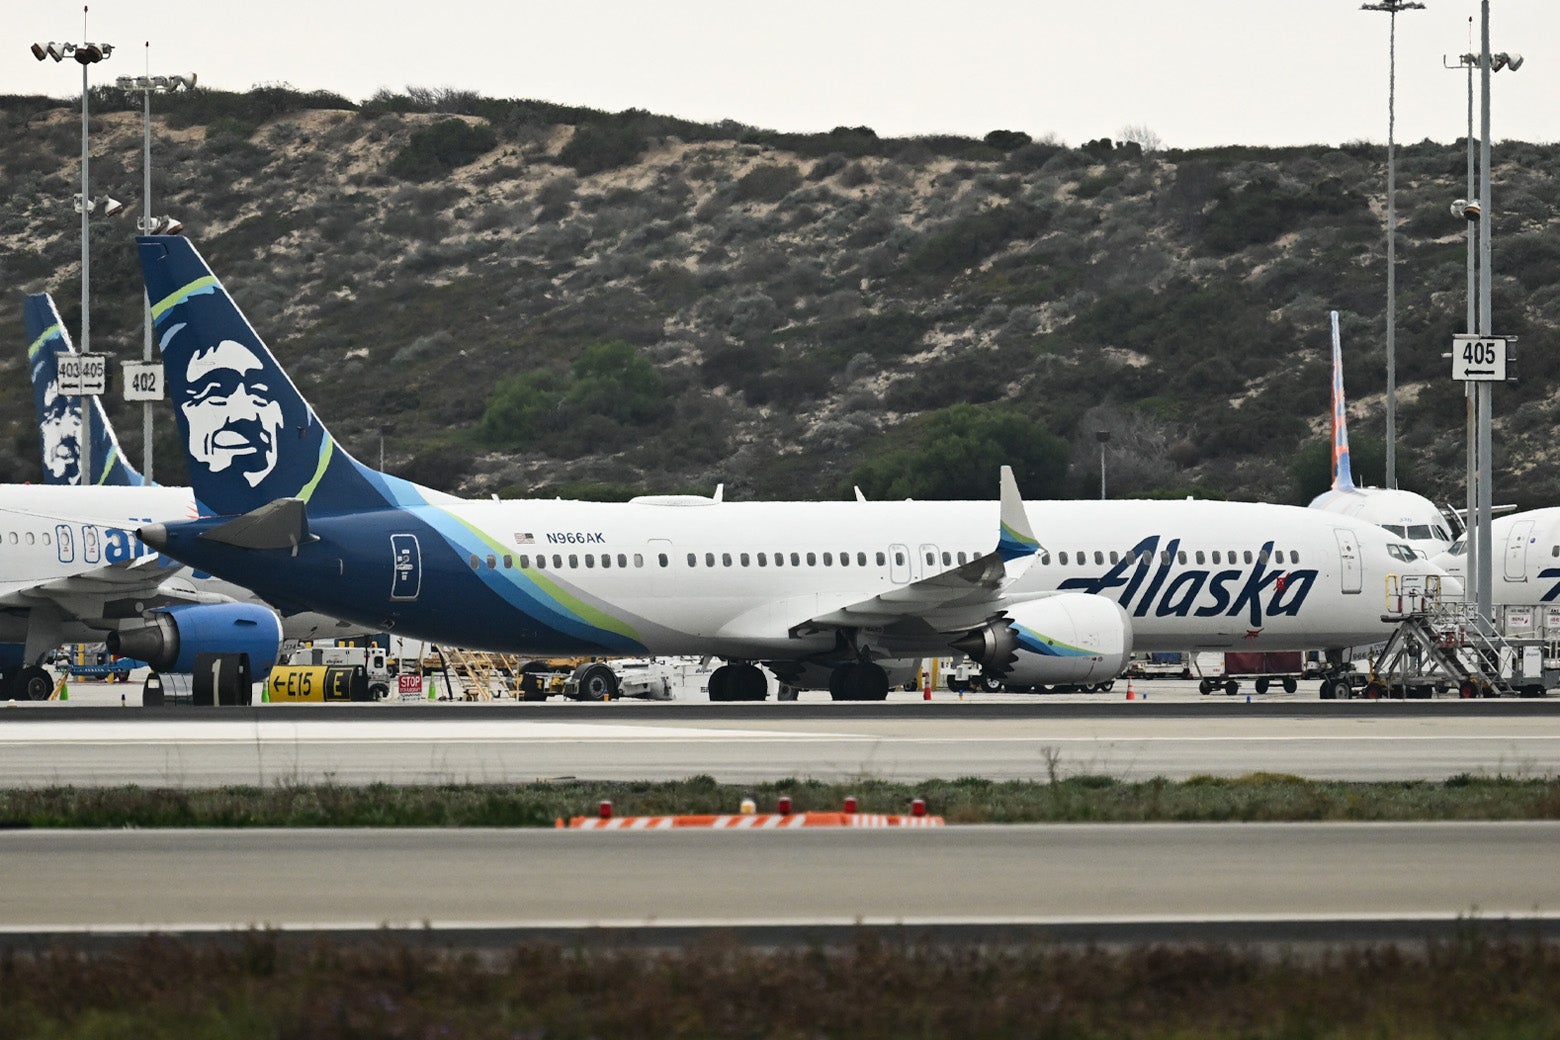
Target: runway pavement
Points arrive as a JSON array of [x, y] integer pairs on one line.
[[1172, 880], [996, 736]]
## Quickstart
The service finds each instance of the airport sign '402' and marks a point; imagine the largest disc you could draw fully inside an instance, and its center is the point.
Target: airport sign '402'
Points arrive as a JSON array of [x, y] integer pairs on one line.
[[1480, 358]]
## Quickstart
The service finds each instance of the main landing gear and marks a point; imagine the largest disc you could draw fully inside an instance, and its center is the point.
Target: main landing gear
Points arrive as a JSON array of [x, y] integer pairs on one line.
[[738, 682], [859, 681]]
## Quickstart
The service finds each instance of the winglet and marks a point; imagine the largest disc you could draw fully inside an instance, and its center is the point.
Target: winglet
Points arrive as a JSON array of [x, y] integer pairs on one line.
[[1015, 538], [1343, 476]]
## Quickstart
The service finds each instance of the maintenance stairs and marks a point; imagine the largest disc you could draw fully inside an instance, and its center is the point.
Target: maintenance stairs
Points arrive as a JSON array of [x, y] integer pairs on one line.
[[1449, 646]]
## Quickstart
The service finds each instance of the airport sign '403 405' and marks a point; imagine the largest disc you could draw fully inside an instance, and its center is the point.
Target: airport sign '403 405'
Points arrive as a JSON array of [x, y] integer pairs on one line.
[[1482, 359]]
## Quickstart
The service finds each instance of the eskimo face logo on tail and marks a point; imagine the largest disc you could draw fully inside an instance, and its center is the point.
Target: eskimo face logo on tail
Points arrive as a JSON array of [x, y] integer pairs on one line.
[[1144, 578], [59, 425], [233, 420]]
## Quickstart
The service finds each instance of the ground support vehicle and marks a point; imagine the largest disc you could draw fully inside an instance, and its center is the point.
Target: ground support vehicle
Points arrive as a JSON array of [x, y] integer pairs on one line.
[[1160, 664], [379, 669], [1440, 649]]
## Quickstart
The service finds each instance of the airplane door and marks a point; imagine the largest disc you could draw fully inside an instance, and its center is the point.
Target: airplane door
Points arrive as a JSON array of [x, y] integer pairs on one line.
[[1348, 560], [64, 545], [406, 567], [1516, 550], [90, 545], [899, 564]]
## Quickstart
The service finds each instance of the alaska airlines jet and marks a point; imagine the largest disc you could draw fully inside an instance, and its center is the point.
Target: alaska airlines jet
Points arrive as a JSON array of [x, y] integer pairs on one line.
[[1524, 571], [1413, 518], [803, 588], [59, 415], [71, 571]]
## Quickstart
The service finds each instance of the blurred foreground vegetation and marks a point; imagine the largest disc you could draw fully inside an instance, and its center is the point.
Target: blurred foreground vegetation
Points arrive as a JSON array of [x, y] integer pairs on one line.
[[256, 986], [1093, 799]]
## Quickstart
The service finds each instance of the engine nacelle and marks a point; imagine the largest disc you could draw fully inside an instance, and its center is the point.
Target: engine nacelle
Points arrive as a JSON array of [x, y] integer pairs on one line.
[[1073, 637], [176, 634]]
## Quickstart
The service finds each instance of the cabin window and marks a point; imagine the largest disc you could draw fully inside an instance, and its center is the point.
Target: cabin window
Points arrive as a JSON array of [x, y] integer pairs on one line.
[[525, 563], [709, 559], [1180, 557], [606, 559], [45, 538], [845, 559], [1248, 555], [14, 539], [962, 557], [828, 559], [1164, 556], [623, 560], [475, 563], [780, 559], [861, 559], [590, 559], [899, 559], [1099, 557], [1061, 557], [509, 562], [812, 559], [492, 562], [1045, 559], [1264, 556], [725, 559], [881, 559], [1294, 557], [931, 559], [574, 561], [693, 561], [30, 538], [1200, 558], [763, 559], [1115, 557], [744, 558], [1215, 556], [796, 559], [557, 562]]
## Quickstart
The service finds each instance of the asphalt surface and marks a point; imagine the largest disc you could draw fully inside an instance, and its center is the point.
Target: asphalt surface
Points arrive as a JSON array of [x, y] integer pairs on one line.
[[1186, 881]]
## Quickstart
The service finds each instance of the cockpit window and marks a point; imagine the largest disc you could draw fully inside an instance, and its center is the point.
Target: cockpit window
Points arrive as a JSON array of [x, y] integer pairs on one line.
[[1458, 548], [1398, 529], [1400, 552]]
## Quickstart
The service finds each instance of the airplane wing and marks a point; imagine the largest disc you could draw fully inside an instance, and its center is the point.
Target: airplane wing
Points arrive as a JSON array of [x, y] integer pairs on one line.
[[113, 591], [952, 600]]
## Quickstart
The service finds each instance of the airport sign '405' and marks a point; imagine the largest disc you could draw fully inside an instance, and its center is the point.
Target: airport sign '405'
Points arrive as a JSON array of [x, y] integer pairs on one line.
[[1481, 359]]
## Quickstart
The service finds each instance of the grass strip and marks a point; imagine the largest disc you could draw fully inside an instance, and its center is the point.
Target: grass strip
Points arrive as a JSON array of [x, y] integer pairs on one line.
[[1080, 799], [1468, 987]]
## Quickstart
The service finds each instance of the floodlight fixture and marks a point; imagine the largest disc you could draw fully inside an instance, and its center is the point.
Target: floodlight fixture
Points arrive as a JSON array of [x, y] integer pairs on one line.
[[159, 225], [39, 52], [109, 205]]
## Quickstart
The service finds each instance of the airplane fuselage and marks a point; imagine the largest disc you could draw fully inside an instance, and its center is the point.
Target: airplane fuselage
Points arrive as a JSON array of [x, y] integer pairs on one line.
[[741, 579]]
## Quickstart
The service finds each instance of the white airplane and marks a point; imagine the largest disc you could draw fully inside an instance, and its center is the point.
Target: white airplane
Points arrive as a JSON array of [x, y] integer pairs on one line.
[[1524, 571], [814, 591], [1413, 518], [71, 570]]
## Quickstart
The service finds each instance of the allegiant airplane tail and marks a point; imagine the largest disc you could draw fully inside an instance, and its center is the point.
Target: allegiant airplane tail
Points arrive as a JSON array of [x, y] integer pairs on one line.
[[59, 415], [1343, 476], [251, 437]]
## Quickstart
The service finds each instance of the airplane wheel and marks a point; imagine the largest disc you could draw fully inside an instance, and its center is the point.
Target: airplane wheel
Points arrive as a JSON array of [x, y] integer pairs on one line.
[[597, 683], [990, 683], [752, 685], [379, 691], [1329, 690], [32, 684]]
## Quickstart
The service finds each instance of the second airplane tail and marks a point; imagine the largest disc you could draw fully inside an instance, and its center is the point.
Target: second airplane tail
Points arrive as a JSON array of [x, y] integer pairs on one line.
[[1343, 476], [60, 415], [249, 435]]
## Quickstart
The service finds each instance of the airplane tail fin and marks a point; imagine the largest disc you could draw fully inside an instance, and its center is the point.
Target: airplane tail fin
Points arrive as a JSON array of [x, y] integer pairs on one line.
[[250, 437], [1343, 476], [59, 416]]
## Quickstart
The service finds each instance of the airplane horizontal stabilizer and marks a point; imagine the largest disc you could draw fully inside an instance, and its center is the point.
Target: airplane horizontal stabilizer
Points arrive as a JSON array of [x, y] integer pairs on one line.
[[283, 524]]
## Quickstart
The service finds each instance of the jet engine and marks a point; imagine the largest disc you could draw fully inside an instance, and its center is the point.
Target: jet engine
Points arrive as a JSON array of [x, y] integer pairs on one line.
[[176, 634], [1073, 637]]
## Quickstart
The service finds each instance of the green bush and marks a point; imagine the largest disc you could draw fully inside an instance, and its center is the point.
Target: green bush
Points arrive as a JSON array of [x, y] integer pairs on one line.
[[967, 241], [957, 453], [768, 183], [596, 147], [434, 150]]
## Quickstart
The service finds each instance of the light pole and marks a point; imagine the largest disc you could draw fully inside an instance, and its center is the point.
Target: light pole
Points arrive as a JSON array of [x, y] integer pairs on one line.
[[146, 86], [1103, 436], [1487, 65], [1392, 7], [86, 54], [1470, 210]]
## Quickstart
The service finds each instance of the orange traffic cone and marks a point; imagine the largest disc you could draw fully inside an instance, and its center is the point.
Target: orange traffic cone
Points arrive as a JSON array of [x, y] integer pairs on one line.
[[1131, 694]]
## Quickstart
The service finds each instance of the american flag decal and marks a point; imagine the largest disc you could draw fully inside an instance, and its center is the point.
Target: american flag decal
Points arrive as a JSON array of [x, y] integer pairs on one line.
[[524, 538]]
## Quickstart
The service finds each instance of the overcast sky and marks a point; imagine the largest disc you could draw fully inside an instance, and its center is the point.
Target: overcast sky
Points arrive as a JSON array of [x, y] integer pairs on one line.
[[1199, 72]]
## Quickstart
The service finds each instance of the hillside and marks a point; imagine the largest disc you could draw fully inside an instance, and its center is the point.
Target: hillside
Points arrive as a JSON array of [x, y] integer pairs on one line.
[[521, 298]]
